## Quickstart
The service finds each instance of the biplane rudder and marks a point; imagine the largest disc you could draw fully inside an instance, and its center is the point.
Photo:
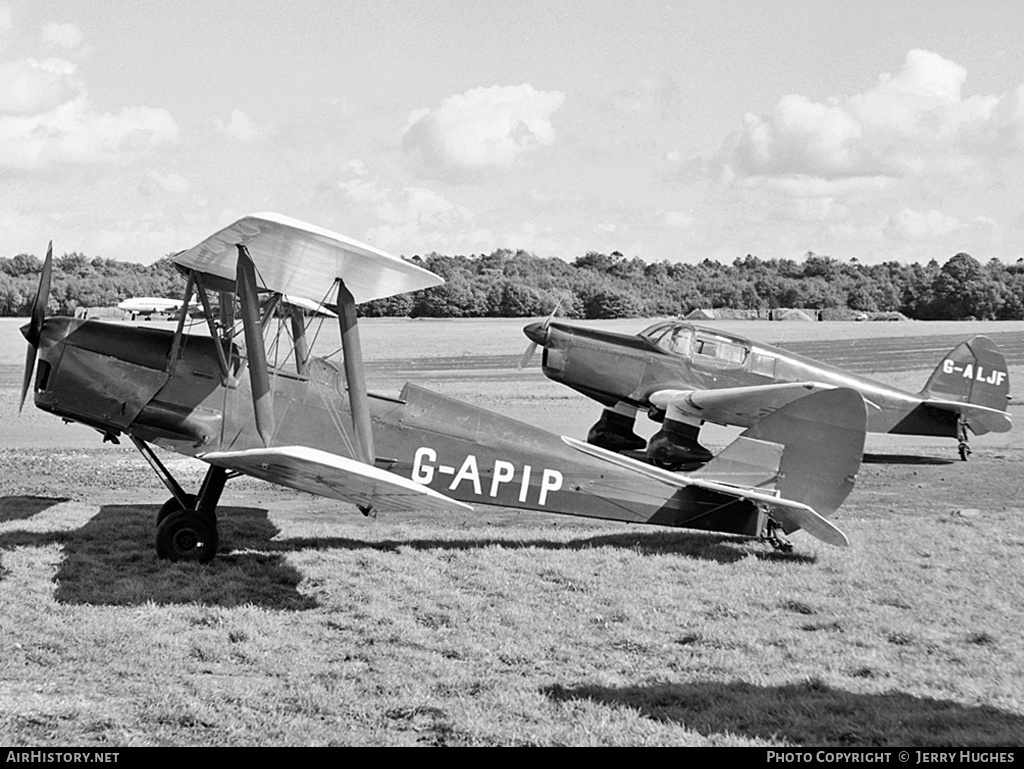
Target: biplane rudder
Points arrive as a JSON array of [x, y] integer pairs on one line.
[[974, 372], [822, 439]]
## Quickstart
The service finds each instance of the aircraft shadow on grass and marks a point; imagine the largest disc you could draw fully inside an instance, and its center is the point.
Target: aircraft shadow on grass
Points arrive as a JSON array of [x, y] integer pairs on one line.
[[905, 459], [21, 508], [809, 713], [700, 546], [108, 561]]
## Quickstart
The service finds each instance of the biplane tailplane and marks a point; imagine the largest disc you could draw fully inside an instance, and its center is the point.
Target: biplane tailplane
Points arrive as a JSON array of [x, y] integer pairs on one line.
[[822, 440], [972, 372]]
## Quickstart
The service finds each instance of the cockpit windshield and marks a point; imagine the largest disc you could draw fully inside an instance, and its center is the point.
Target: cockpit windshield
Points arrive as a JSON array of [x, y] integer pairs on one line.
[[688, 341], [671, 337]]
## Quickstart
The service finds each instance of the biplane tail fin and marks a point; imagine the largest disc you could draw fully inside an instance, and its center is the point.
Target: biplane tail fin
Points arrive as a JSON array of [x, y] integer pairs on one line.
[[822, 441], [973, 372], [798, 464]]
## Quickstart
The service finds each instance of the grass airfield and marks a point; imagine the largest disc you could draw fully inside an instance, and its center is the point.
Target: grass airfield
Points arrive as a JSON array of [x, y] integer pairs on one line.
[[317, 626]]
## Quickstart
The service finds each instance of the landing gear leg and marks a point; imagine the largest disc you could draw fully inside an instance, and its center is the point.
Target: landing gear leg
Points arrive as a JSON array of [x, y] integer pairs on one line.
[[964, 447], [190, 534], [775, 537], [186, 527]]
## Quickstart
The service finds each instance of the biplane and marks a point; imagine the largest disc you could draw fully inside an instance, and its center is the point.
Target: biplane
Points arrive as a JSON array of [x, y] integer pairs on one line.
[[684, 375], [307, 421]]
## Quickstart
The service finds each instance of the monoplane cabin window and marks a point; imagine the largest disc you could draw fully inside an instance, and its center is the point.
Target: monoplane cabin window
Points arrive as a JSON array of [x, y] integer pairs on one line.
[[720, 349]]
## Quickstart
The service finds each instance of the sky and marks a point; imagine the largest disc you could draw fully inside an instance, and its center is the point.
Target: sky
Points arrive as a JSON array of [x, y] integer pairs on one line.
[[678, 131]]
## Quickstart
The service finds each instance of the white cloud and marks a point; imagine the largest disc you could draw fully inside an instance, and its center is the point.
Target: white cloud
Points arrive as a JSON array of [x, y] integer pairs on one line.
[[46, 118], [73, 132], [482, 128], [239, 126], [413, 218], [913, 124], [35, 85], [62, 35], [6, 23]]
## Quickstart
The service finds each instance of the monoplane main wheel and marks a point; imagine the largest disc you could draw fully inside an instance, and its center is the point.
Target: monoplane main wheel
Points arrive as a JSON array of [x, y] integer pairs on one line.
[[172, 505], [185, 536]]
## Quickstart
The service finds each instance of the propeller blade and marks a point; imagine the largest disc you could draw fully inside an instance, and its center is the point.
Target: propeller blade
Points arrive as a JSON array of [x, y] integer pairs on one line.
[[30, 365], [558, 304], [538, 332], [531, 348], [34, 330]]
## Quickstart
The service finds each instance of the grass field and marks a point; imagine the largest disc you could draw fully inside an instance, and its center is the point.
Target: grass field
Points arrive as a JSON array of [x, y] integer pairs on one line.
[[316, 626]]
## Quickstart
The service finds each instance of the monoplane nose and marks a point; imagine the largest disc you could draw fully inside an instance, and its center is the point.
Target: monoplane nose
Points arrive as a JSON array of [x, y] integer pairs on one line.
[[537, 332]]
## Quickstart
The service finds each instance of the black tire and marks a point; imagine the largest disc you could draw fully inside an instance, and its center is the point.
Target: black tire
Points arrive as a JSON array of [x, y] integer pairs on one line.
[[185, 536], [965, 452], [172, 505]]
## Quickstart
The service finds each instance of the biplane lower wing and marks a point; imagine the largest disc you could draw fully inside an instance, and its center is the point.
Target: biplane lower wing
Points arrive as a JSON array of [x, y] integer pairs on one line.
[[330, 475], [792, 515]]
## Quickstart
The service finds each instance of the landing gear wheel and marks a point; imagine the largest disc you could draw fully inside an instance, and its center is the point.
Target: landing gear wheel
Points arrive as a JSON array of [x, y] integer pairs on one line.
[[965, 451], [185, 536], [172, 505]]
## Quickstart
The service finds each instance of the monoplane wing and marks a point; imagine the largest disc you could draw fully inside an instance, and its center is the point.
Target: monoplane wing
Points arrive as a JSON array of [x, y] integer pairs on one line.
[[303, 260], [741, 406], [792, 515], [330, 475]]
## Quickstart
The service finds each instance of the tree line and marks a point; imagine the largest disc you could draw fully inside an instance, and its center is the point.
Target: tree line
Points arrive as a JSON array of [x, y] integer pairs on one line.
[[508, 283]]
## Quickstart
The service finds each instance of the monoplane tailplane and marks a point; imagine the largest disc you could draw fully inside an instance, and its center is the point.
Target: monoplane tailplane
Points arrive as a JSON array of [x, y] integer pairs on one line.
[[973, 372], [823, 435]]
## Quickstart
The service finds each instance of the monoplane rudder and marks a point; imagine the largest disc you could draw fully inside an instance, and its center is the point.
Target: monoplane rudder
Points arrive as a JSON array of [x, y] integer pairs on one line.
[[972, 372]]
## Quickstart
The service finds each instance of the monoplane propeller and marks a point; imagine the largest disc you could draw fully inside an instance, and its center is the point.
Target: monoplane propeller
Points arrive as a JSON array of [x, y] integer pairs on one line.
[[538, 333], [33, 330]]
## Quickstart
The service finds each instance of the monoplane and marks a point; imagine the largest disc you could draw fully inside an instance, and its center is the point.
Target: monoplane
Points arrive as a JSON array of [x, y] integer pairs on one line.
[[684, 375], [148, 306], [307, 422]]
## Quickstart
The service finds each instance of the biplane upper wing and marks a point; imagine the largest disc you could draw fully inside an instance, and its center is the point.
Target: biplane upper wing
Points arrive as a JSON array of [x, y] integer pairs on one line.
[[743, 406], [330, 475], [303, 260]]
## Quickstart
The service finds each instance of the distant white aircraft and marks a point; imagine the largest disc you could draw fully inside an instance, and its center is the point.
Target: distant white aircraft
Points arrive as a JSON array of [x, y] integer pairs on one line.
[[150, 305]]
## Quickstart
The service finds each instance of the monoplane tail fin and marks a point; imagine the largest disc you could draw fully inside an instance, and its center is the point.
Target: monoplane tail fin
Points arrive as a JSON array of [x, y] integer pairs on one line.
[[973, 372]]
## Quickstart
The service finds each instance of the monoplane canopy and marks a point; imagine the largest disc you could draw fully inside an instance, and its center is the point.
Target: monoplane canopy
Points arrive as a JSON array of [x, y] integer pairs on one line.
[[303, 260]]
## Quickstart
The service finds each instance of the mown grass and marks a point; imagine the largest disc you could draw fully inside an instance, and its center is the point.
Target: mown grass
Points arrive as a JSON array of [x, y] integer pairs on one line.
[[512, 629]]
